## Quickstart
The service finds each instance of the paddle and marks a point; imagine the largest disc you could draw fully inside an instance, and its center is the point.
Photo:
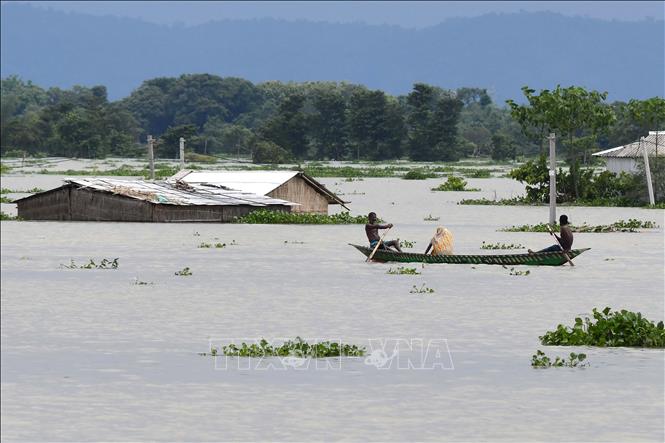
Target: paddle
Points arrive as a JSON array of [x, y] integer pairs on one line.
[[377, 245], [559, 243]]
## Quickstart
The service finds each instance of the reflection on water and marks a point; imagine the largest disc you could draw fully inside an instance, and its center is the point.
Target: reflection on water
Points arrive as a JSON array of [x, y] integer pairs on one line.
[[89, 355]]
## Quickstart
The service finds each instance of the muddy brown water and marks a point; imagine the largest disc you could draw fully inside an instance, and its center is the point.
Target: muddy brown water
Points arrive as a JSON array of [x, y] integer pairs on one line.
[[89, 355]]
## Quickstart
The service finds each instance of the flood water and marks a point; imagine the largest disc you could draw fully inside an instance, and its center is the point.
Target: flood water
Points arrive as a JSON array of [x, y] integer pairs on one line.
[[89, 355]]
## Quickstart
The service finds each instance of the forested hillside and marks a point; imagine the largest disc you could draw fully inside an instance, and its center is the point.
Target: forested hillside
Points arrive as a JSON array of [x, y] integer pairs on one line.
[[276, 122]]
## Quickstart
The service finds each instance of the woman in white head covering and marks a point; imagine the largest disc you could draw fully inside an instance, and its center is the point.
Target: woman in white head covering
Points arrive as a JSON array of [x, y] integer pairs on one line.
[[441, 243]]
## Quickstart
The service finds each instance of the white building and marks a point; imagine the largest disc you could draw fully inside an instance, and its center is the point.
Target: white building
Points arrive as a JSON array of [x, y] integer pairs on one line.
[[626, 158]]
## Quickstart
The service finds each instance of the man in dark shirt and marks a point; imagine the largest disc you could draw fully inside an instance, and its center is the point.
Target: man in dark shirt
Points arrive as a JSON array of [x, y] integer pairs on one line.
[[372, 231], [565, 238]]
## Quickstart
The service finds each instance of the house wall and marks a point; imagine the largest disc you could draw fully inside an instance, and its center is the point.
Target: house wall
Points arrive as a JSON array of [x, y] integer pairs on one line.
[[621, 164], [51, 205], [297, 190], [69, 203]]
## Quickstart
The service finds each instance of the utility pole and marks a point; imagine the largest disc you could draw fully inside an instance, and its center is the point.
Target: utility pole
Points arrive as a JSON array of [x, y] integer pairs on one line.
[[647, 171], [151, 157], [552, 139], [182, 153]]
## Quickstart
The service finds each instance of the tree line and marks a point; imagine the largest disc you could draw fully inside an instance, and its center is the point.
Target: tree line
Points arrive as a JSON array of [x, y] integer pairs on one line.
[[276, 122]]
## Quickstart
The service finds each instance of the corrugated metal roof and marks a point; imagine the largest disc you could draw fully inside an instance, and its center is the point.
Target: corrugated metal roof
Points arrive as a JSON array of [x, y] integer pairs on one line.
[[256, 182], [177, 193], [633, 150]]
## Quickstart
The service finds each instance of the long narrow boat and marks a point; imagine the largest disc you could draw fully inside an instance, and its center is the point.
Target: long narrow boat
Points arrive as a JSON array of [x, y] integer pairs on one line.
[[535, 259]]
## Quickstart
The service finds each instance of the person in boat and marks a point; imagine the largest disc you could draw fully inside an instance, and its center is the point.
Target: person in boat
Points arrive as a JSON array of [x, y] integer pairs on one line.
[[441, 243], [565, 237], [372, 231]]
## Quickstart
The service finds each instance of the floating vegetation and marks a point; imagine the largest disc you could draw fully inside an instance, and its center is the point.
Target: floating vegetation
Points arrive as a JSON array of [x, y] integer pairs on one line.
[[421, 290], [540, 360], [431, 218], [403, 271], [185, 272], [632, 225], [516, 201], [211, 245], [622, 328], [419, 174], [196, 234], [352, 179], [264, 216], [294, 242], [501, 246], [104, 264], [161, 171], [406, 244], [138, 282], [476, 173], [454, 184], [513, 271], [290, 348]]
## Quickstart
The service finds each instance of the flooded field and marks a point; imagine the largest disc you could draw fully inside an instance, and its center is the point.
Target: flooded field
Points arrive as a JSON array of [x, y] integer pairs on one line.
[[91, 355]]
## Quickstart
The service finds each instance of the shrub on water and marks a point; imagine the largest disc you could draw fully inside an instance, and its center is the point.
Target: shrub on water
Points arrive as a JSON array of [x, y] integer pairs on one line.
[[454, 184], [540, 360], [622, 328], [418, 174]]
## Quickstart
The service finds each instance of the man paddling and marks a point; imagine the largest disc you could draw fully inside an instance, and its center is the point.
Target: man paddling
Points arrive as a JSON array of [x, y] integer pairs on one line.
[[372, 231], [565, 238]]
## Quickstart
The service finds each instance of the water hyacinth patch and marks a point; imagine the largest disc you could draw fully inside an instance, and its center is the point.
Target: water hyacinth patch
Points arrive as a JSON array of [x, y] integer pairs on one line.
[[619, 328], [406, 244], [421, 290], [501, 246], [291, 348], [104, 264], [264, 216], [431, 218], [185, 272], [419, 174], [540, 360], [403, 271], [619, 226]]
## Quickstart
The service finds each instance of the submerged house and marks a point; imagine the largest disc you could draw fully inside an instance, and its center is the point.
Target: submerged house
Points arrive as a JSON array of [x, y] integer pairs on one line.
[[97, 199], [293, 186], [627, 158]]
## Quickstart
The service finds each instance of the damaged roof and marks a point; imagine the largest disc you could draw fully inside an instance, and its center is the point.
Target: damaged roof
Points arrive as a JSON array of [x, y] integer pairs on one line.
[[179, 193]]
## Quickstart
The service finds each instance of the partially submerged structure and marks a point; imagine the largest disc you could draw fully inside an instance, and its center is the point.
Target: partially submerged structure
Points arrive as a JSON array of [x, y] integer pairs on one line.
[[297, 187], [628, 157], [97, 199]]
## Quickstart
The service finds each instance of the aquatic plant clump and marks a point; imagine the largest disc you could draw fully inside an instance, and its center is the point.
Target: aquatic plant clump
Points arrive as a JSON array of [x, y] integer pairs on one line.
[[501, 246], [632, 225], [264, 216], [540, 360], [403, 271], [419, 174], [610, 329], [454, 184], [104, 264], [291, 348], [421, 290], [184, 272]]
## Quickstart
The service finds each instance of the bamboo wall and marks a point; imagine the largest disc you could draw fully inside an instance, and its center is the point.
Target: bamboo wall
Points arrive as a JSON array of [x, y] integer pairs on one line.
[[297, 190], [71, 203]]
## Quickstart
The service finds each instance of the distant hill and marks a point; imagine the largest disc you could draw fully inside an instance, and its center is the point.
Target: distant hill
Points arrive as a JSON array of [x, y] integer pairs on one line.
[[498, 52]]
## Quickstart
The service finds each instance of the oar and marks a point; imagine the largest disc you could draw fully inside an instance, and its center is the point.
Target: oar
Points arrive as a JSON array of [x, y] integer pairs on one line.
[[377, 245], [559, 243]]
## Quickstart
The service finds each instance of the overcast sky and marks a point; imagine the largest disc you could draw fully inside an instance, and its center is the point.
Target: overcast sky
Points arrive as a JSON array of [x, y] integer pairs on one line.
[[406, 14]]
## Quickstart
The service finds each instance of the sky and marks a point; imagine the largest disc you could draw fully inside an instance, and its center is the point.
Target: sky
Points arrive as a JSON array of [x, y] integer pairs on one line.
[[416, 14]]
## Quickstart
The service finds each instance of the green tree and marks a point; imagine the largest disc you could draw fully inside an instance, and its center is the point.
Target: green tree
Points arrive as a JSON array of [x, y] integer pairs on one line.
[[576, 115], [168, 145], [328, 125], [503, 147], [288, 129]]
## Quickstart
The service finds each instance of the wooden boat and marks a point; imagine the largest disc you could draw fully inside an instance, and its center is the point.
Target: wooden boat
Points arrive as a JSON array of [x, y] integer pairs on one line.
[[535, 259]]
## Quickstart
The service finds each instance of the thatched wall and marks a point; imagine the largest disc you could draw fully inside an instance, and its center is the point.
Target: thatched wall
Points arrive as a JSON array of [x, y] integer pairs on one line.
[[299, 191]]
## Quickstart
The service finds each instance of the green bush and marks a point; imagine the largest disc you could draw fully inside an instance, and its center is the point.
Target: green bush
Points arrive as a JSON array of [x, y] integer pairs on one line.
[[269, 152], [622, 328], [454, 184], [418, 174]]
